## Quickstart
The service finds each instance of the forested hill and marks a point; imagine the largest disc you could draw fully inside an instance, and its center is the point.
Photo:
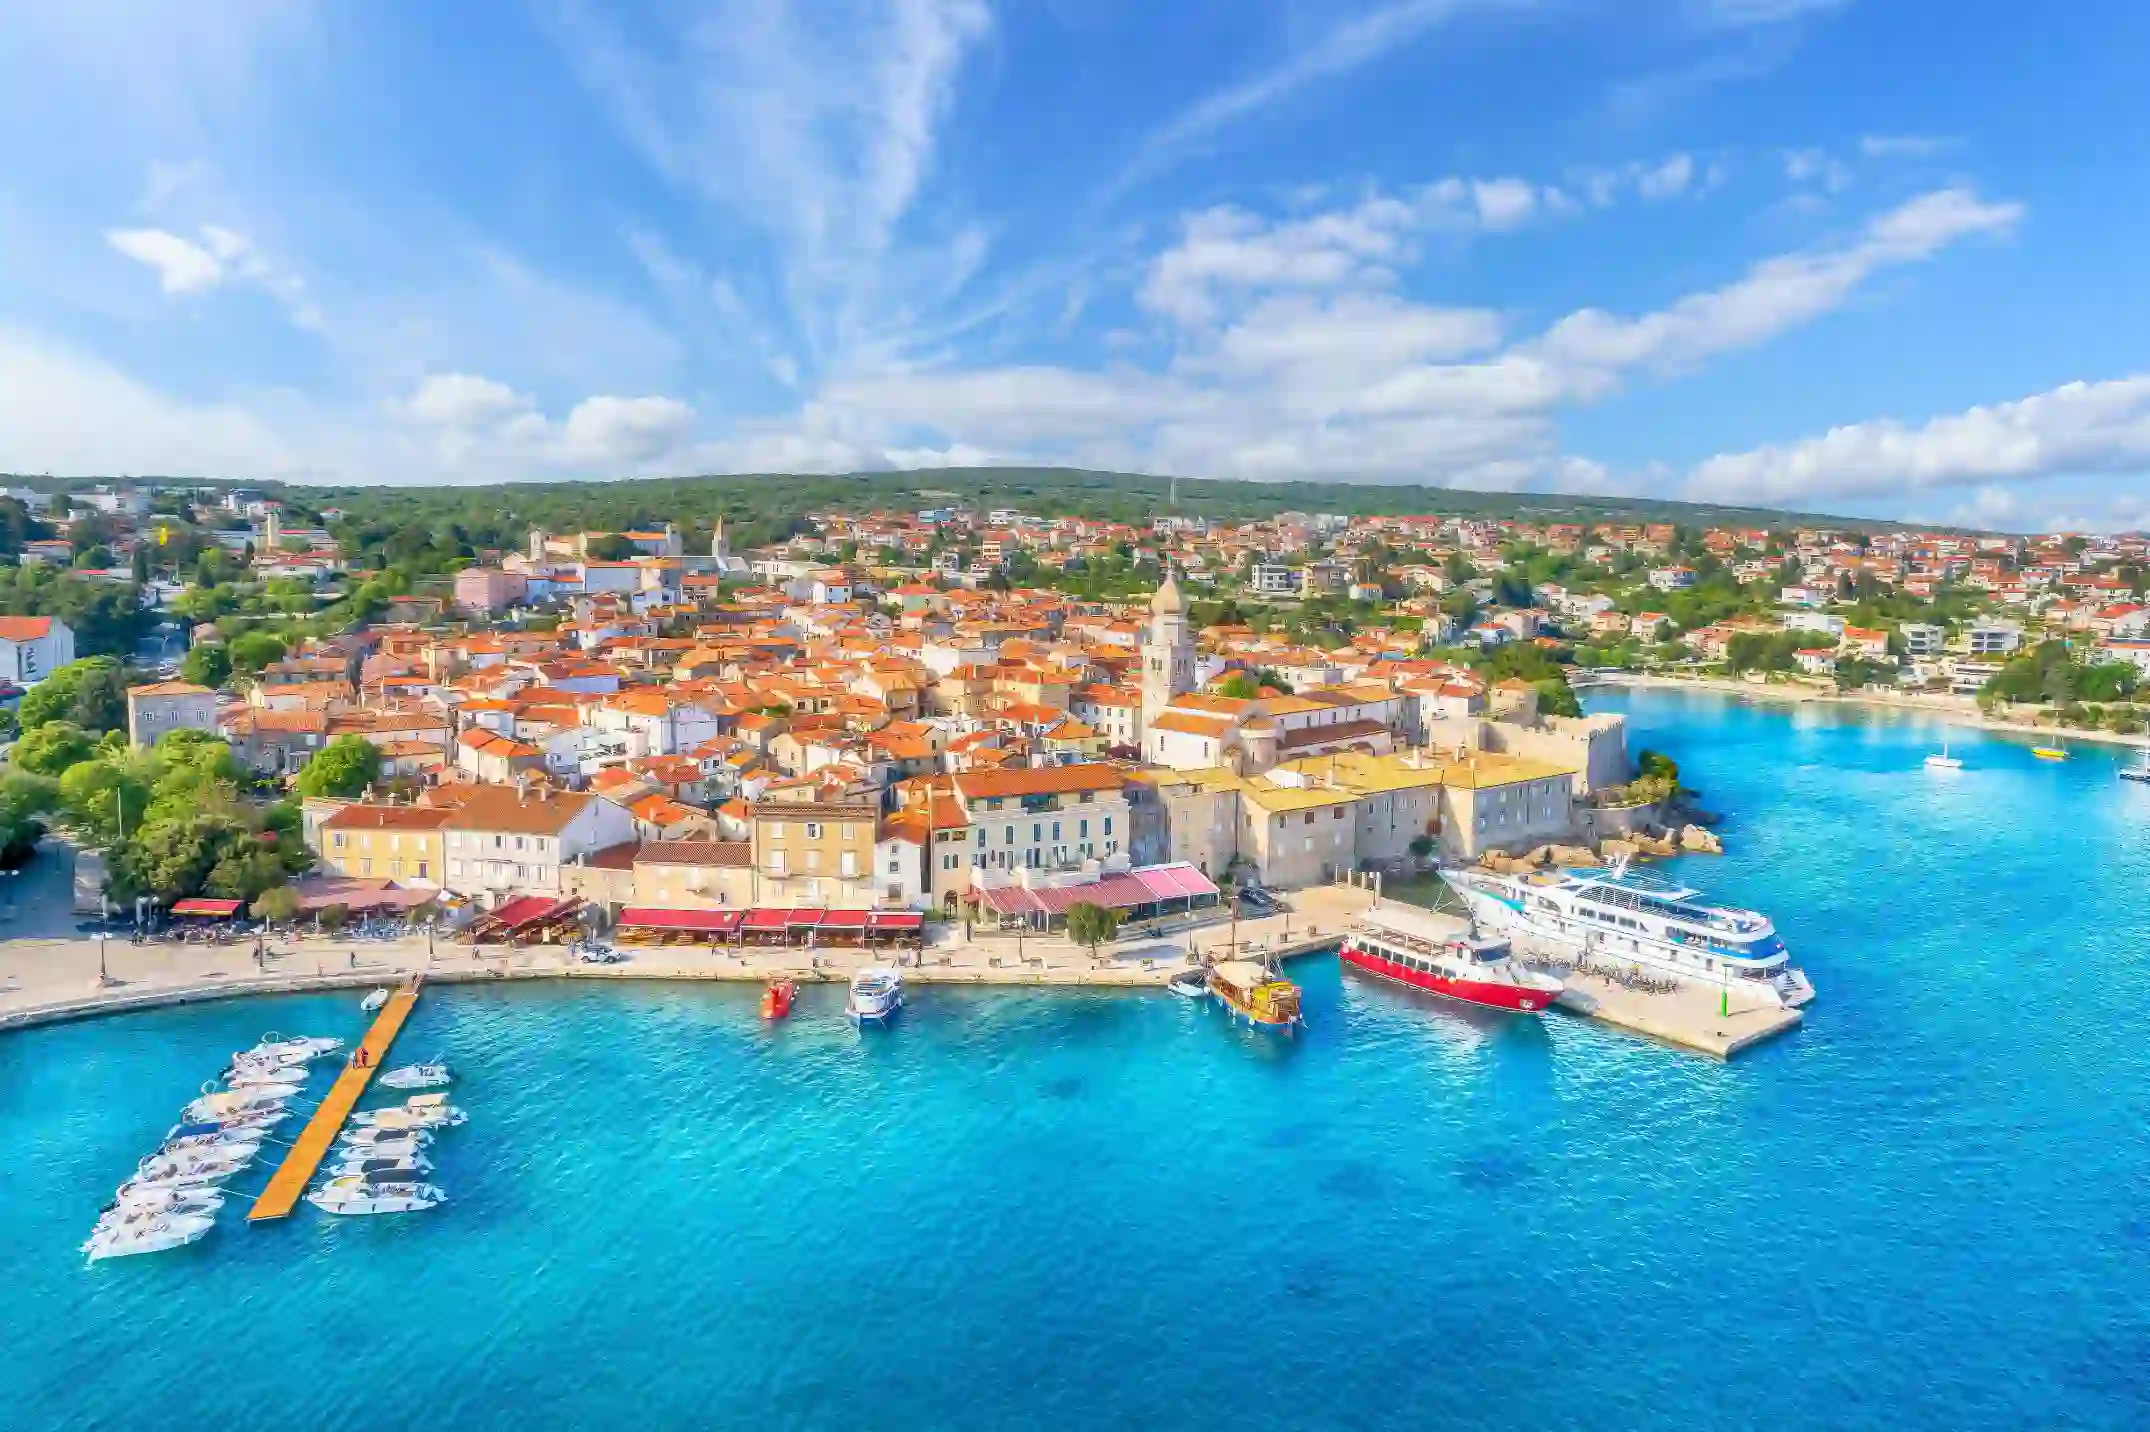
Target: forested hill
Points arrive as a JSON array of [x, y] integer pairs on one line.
[[758, 502]]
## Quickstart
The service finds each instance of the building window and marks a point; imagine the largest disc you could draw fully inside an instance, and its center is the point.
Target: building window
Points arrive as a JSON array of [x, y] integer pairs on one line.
[[1108, 825], [813, 830]]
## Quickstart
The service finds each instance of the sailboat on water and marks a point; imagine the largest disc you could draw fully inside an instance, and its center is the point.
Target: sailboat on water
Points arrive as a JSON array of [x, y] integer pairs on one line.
[[2139, 772], [1941, 760]]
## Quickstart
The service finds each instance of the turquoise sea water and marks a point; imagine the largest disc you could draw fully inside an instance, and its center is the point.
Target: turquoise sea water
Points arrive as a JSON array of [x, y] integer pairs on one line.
[[1924, 1210]]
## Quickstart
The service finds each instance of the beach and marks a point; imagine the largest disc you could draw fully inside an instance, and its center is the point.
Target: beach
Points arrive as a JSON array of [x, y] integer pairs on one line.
[[1961, 710]]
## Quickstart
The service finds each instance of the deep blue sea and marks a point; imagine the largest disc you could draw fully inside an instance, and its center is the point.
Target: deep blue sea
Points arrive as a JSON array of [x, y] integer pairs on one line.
[[1929, 1208]]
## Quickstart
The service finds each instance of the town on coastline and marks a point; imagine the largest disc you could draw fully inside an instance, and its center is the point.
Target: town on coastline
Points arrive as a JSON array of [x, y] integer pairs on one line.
[[1001, 744]]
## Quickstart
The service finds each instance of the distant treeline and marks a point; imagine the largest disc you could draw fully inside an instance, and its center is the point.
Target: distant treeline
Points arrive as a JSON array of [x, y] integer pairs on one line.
[[762, 507]]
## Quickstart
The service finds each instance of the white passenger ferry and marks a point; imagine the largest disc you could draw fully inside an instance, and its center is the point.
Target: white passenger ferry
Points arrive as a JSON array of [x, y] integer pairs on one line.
[[1625, 918]]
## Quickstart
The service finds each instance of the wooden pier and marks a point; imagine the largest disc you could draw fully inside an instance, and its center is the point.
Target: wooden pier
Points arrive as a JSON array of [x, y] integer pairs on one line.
[[290, 1180]]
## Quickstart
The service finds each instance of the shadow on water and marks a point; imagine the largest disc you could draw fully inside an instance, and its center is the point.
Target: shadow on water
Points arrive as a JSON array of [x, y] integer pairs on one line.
[[1493, 1170]]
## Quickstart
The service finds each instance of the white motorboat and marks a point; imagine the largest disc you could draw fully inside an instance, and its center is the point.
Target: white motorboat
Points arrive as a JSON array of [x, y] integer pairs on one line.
[[433, 1074], [212, 1165], [360, 1195], [1189, 984], [275, 1046], [160, 1198], [373, 1003], [206, 1136], [209, 1150], [420, 1111], [385, 1143], [249, 1077], [876, 993], [153, 1236], [415, 1165], [253, 1120], [238, 1101]]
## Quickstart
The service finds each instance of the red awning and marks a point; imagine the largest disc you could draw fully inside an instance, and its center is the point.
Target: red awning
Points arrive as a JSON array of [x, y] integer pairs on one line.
[[713, 922], [522, 908], [844, 920], [803, 917], [766, 919], [215, 909], [896, 920]]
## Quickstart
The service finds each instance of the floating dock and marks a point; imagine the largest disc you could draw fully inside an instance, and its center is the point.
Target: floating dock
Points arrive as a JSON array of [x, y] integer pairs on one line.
[[290, 1180]]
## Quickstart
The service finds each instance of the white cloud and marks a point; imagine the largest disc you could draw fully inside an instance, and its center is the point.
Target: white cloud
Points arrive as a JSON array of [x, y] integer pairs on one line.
[[223, 256], [1738, 14], [1225, 255], [824, 134], [1903, 146], [1667, 179], [624, 431], [1348, 45], [463, 400], [1817, 167], [1774, 295], [2073, 429], [472, 420], [181, 265]]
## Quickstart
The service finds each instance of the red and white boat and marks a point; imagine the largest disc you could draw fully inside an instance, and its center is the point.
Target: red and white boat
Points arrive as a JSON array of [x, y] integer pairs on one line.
[[1411, 947]]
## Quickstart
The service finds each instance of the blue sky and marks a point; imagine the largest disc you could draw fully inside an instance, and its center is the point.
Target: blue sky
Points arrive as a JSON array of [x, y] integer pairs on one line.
[[1835, 254]]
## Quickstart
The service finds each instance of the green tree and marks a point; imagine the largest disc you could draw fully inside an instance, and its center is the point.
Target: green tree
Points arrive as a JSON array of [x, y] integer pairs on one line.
[[24, 802], [170, 859], [88, 692], [610, 547], [1092, 925], [101, 796], [344, 768], [279, 903], [207, 665], [254, 650], [1240, 686], [51, 748]]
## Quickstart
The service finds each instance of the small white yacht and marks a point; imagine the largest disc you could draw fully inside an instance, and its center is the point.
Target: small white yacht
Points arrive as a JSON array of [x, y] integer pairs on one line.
[[360, 1195], [275, 1046], [204, 1199], [154, 1235], [265, 1076], [420, 1111], [410, 1168], [386, 1143], [213, 1165], [876, 993], [373, 1003], [1941, 760], [238, 1101], [433, 1074]]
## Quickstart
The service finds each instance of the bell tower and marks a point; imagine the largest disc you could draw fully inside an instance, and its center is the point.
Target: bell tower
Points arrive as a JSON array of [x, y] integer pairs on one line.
[[1167, 652]]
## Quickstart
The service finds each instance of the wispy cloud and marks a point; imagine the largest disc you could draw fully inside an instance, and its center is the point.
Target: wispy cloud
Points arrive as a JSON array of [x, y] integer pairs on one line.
[[1904, 146], [186, 266], [1344, 47], [818, 128]]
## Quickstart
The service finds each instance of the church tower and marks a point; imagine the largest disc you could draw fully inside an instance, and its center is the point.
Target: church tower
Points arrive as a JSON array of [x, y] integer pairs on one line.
[[716, 545], [1167, 652]]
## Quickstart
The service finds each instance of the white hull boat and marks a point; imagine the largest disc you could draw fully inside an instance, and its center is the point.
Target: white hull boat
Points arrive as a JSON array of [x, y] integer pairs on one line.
[[410, 1168], [198, 1168], [359, 1196], [1622, 919], [373, 1003], [1189, 984], [876, 993], [153, 1198], [155, 1235], [379, 1142], [431, 1075], [275, 1046], [238, 1101]]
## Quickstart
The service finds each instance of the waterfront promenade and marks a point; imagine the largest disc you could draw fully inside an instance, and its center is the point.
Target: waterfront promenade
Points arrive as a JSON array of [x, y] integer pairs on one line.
[[42, 980]]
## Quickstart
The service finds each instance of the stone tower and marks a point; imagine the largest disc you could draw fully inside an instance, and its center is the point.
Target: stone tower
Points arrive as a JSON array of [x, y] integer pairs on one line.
[[1167, 652], [716, 544]]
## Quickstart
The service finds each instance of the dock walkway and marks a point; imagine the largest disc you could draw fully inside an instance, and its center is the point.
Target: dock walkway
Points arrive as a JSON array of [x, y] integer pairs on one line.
[[290, 1180]]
